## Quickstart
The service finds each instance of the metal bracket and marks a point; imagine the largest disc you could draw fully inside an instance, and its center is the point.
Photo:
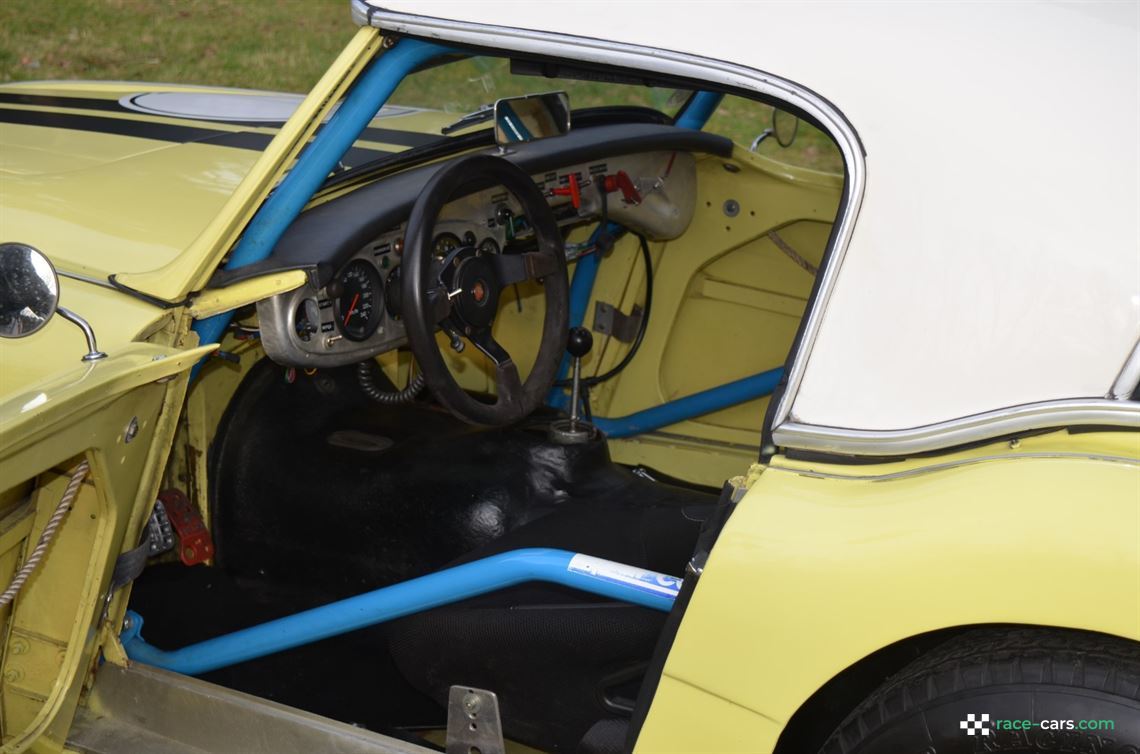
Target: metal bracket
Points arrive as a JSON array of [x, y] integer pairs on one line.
[[609, 320], [473, 725]]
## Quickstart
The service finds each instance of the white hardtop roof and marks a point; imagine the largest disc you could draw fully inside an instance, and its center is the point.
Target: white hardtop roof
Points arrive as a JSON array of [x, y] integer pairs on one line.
[[993, 260]]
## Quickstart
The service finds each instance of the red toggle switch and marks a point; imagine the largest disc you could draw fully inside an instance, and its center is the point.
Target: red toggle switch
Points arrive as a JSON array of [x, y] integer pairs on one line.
[[572, 191], [623, 183]]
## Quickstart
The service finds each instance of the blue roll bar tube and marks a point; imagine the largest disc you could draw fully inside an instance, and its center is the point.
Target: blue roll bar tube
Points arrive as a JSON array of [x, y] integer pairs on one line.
[[698, 110], [690, 406], [606, 578], [319, 158]]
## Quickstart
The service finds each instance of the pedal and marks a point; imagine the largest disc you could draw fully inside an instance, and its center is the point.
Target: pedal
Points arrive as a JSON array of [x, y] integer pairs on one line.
[[194, 542], [473, 722]]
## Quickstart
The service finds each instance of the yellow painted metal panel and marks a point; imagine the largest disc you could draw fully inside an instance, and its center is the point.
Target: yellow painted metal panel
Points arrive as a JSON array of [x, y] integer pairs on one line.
[[61, 606], [820, 565], [725, 727], [218, 300], [117, 319], [115, 218], [52, 405], [191, 269]]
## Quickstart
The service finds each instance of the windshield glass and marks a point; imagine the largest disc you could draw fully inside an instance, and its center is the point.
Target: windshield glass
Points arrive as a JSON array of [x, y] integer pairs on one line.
[[464, 86]]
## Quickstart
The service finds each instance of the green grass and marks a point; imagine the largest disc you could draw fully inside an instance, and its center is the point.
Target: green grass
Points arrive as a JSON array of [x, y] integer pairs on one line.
[[282, 45], [285, 45]]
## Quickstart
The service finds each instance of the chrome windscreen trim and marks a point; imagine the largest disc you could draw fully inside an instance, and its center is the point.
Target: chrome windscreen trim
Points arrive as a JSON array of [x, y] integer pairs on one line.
[[683, 65], [968, 429]]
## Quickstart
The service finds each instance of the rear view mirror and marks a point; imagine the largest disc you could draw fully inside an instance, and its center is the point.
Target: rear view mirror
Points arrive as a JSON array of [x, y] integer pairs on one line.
[[535, 116], [29, 290]]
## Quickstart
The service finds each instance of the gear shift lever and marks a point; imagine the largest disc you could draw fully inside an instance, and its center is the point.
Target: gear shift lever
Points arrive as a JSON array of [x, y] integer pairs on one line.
[[575, 429]]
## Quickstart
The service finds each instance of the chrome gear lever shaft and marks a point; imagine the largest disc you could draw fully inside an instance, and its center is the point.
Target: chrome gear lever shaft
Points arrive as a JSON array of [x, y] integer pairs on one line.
[[575, 429]]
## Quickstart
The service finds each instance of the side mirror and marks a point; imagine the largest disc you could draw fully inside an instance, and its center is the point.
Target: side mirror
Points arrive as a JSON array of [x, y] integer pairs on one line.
[[535, 116], [29, 290], [785, 127], [29, 296]]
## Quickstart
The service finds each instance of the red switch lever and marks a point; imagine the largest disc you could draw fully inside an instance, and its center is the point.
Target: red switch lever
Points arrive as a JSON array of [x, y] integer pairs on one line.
[[622, 182], [572, 191]]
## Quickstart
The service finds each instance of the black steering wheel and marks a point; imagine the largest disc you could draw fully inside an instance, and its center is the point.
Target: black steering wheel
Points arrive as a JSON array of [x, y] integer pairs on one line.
[[461, 293]]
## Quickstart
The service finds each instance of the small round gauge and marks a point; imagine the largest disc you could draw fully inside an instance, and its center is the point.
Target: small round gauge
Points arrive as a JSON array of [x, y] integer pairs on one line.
[[359, 305], [444, 244], [488, 246]]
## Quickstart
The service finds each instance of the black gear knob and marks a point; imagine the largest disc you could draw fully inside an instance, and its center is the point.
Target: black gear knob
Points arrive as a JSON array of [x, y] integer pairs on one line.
[[580, 342]]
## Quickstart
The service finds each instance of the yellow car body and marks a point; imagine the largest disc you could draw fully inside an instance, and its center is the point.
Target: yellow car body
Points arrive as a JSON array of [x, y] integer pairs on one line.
[[822, 567]]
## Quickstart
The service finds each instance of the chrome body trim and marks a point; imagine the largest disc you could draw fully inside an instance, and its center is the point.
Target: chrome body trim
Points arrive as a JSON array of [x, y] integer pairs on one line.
[[891, 476], [968, 429]]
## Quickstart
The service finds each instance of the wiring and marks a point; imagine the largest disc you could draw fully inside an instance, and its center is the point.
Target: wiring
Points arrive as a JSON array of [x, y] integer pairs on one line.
[[364, 374]]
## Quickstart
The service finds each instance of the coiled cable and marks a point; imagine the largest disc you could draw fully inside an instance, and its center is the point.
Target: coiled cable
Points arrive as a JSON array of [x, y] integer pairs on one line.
[[388, 398]]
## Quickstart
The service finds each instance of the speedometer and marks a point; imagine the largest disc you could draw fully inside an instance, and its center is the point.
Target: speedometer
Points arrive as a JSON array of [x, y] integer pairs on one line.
[[359, 305]]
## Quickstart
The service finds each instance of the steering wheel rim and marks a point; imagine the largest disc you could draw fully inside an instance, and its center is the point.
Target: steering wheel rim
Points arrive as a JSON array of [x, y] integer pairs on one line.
[[467, 302]]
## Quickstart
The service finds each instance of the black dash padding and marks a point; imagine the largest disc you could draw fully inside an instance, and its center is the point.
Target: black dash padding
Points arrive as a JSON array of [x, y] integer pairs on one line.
[[334, 231]]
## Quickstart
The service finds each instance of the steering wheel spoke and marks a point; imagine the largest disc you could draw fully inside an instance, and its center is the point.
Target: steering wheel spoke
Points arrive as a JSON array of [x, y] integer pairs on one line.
[[508, 385], [486, 343], [519, 268], [439, 303]]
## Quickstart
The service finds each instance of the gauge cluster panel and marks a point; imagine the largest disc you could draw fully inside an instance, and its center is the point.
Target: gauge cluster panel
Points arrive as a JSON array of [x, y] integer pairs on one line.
[[358, 315]]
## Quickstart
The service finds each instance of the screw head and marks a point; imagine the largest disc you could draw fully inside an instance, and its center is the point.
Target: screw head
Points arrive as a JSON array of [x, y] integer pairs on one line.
[[132, 429], [471, 704]]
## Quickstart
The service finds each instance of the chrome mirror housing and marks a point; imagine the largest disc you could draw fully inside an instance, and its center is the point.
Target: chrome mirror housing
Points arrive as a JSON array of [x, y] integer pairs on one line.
[[29, 290]]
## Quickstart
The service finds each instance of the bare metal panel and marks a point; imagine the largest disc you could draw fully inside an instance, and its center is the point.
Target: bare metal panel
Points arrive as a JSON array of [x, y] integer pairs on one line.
[[141, 708]]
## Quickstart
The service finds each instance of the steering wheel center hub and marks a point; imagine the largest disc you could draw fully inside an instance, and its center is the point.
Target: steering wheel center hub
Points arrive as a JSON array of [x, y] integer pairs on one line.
[[478, 289]]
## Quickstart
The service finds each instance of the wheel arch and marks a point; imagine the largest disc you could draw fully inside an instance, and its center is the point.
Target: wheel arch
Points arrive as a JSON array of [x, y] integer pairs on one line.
[[813, 722]]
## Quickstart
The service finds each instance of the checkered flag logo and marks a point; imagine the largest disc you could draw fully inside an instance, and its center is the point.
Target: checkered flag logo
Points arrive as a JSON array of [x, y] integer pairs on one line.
[[976, 725]]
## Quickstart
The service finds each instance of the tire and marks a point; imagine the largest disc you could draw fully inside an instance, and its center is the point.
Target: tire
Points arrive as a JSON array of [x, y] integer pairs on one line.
[[1011, 674]]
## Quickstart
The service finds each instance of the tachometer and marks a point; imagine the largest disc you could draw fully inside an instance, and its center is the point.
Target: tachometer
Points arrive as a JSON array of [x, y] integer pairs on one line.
[[359, 304]]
